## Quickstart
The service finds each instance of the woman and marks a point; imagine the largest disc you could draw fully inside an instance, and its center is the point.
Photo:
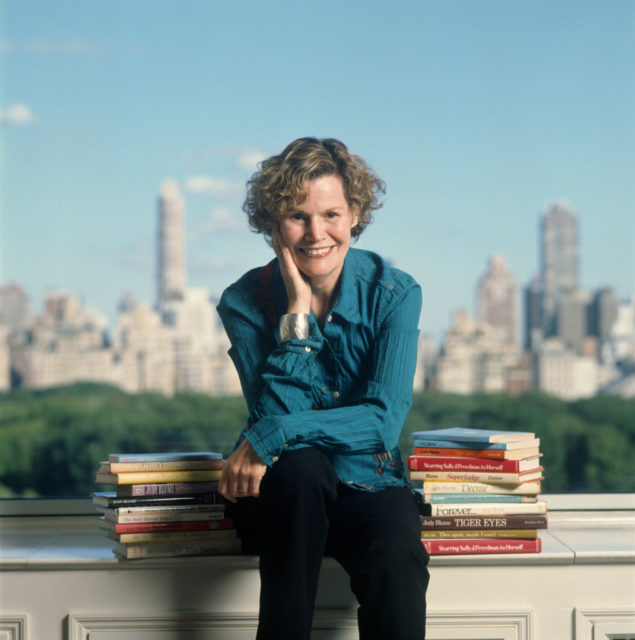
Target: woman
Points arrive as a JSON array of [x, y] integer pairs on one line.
[[324, 339]]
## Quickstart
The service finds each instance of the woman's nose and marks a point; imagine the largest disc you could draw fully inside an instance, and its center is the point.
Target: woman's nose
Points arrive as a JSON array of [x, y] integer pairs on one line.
[[315, 228]]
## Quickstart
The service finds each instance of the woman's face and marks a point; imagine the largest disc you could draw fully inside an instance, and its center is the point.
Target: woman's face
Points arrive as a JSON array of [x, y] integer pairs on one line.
[[318, 231]]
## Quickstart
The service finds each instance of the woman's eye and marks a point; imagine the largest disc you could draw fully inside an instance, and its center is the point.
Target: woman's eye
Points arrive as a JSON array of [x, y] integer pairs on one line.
[[331, 214], [297, 216]]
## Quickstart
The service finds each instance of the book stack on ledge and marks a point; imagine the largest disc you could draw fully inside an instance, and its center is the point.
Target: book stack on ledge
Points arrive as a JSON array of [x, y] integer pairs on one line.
[[164, 504], [480, 488]]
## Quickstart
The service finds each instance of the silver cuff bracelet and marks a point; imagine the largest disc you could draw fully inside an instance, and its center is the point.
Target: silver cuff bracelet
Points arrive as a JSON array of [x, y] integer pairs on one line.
[[294, 326]]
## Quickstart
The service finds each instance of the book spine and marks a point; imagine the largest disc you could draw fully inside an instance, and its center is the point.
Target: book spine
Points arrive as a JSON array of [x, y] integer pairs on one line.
[[162, 550], [191, 525], [146, 477], [488, 509], [456, 444], [489, 454], [144, 501], [164, 517], [218, 534], [175, 465], [460, 547], [161, 457], [527, 488], [173, 509], [166, 489], [448, 463], [433, 534], [433, 498], [511, 521], [470, 476]]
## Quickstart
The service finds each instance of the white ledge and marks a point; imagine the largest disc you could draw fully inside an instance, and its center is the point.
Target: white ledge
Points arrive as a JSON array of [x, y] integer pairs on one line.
[[74, 542]]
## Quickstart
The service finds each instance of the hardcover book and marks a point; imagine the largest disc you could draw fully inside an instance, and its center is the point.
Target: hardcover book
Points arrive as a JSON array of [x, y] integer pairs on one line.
[[162, 457], [470, 546], [490, 454], [511, 521], [469, 434], [422, 441], [458, 463]]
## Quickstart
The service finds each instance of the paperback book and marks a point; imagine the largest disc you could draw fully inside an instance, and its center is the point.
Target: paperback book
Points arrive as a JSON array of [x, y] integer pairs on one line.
[[440, 534], [437, 486], [165, 489], [176, 548], [487, 508], [175, 525], [492, 477], [110, 500]]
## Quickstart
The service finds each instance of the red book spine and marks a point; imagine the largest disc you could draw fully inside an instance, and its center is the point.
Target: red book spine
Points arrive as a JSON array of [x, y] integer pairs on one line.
[[489, 454], [457, 463], [441, 547], [187, 525]]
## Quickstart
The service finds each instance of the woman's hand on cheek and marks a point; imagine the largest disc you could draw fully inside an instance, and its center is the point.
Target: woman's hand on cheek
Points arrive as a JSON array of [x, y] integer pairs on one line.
[[242, 473], [298, 289]]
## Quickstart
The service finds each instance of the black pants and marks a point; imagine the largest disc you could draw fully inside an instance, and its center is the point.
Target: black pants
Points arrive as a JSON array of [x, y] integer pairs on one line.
[[305, 512]]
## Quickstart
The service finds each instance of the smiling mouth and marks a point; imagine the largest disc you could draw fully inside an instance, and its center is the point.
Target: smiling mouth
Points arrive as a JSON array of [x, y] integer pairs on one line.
[[315, 253]]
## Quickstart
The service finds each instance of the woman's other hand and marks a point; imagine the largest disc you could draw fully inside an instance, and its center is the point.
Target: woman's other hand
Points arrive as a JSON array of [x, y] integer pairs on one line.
[[242, 473], [298, 288]]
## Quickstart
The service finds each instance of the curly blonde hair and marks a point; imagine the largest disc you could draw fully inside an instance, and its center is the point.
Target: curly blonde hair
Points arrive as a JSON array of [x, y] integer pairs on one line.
[[281, 183]]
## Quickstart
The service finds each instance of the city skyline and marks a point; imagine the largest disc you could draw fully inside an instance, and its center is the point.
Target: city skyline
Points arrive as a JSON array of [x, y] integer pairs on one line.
[[476, 132]]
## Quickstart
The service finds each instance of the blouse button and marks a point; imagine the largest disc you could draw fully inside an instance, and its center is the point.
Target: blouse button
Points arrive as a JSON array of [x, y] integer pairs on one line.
[[307, 349], [329, 319], [336, 394], [274, 459]]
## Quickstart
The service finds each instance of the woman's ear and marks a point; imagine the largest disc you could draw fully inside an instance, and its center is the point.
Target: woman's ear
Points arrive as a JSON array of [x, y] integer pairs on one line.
[[354, 217]]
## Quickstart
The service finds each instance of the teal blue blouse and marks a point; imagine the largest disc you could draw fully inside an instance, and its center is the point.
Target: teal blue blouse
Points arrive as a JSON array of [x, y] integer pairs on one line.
[[345, 390]]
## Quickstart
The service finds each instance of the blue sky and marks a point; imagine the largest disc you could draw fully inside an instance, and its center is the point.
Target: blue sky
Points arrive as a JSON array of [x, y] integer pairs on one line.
[[477, 114]]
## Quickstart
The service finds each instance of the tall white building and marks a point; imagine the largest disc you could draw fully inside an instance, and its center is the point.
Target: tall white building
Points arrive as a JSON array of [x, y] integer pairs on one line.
[[558, 261], [561, 372], [171, 278], [497, 300], [474, 358]]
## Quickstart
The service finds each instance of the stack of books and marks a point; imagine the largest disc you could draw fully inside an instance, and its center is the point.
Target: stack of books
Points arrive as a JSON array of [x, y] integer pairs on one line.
[[164, 504], [480, 489]]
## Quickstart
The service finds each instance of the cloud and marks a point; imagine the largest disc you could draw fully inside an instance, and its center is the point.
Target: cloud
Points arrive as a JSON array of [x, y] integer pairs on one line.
[[17, 113], [249, 158], [206, 185]]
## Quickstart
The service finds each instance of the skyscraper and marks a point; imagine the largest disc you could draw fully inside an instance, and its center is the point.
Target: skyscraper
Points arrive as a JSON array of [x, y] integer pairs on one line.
[[558, 261], [171, 245], [532, 315], [497, 300]]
